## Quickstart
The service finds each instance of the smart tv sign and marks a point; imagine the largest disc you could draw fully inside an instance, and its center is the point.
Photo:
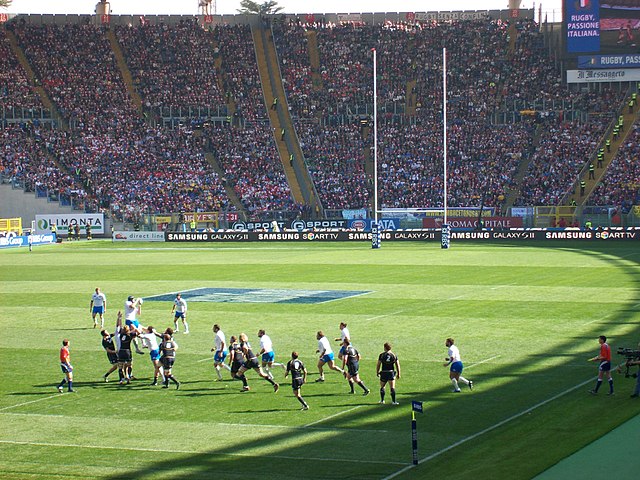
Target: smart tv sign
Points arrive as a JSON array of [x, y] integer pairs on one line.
[[582, 21]]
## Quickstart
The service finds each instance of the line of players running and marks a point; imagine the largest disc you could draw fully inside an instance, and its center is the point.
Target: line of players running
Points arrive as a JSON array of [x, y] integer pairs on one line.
[[241, 357]]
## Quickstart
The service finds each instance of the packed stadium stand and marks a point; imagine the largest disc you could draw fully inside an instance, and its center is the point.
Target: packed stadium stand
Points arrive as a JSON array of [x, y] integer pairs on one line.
[[202, 134]]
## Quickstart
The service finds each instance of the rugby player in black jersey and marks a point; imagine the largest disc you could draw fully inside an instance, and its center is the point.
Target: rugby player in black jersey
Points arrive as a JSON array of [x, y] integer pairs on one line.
[[112, 354], [298, 377], [388, 369], [251, 362], [351, 366], [168, 349], [236, 356]]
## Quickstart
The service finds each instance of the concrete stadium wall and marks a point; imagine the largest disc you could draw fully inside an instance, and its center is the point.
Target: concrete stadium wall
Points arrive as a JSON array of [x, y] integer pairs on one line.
[[14, 202]]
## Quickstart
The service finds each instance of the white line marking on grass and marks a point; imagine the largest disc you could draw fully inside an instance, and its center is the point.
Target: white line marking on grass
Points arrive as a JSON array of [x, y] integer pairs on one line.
[[482, 361], [331, 416], [234, 425], [30, 401], [503, 286], [191, 452], [384, 316], [205, 360], [489, 429], [596, 320], [304, 427]]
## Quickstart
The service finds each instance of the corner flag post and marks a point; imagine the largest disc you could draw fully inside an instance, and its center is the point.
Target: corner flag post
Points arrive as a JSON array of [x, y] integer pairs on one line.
[[415, 407]]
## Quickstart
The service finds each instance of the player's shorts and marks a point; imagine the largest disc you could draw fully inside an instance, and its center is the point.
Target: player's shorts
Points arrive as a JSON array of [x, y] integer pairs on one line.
[[113, 358], [154, 354], [124, 355], [167, 362], [296, 383], [179, 315], [135, 323], [66, 368], [268, 357], [235, 366], [387, 375], [604, 366], [251, 363], [456, 367], [327, 358], [352, 369], [98, 310], [220, 356], [342, 350]]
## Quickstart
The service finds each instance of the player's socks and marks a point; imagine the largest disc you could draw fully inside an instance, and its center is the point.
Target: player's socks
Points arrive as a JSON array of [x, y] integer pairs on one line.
[[455, 384], [351, 386], [218, 372], [226, 366], [270, 381], [243, 379], [70, 386], [382, 392], [362, 385], [598, 383], [267, 370], [464, 380], [611, 386], [186, 327], [61, 384], [393, 395]]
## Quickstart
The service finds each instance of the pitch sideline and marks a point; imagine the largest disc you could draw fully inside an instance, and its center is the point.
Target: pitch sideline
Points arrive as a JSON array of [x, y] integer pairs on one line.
[[488, 429]]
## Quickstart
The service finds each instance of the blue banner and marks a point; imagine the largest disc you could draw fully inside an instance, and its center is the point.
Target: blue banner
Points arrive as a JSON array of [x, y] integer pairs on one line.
[[608, 61], [583, 25], [10, 240]]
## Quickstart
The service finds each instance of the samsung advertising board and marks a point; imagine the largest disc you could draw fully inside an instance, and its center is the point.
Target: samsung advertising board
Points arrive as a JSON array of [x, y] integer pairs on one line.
[[510, 235]]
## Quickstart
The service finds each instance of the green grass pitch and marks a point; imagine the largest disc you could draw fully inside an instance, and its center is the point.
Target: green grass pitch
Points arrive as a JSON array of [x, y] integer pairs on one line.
[[526, 319]]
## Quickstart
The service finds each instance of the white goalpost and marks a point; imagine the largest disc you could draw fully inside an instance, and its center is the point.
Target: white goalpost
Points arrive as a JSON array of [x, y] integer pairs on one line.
[[375, 228]]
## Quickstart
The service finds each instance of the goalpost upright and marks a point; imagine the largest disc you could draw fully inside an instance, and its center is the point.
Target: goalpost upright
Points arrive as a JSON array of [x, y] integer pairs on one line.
[[375, 239]]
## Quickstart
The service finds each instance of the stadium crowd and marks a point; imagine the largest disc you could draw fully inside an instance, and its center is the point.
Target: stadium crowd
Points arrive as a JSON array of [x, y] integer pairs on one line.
[[16, 93], [172, 66], [114, 159], [251, 166], [620, 186]]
